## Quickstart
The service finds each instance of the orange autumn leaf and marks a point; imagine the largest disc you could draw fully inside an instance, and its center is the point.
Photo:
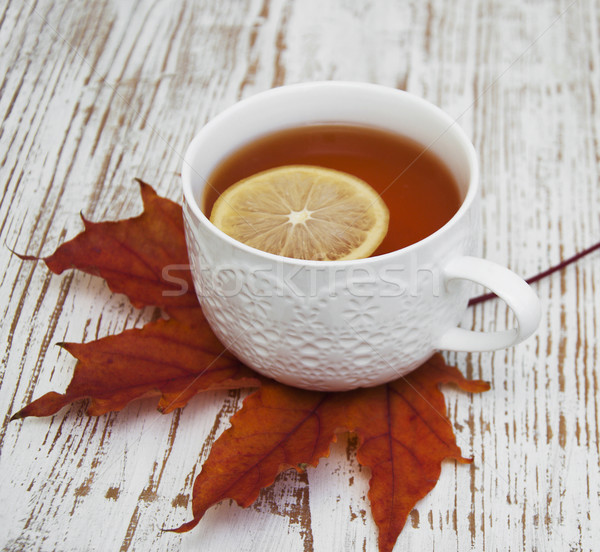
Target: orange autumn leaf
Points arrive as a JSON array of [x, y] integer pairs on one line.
[[174, 359], [166, 358], [278, 427], [404, 433], [144, 257]]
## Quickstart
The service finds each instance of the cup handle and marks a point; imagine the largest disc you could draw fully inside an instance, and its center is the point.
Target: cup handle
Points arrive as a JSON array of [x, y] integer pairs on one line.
[[512, 289]]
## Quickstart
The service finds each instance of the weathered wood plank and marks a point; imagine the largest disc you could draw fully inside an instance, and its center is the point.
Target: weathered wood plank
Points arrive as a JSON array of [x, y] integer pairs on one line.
[[93, 94]]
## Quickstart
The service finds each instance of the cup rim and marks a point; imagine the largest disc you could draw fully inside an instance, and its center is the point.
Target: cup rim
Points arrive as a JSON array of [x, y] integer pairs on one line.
[[190, 200]]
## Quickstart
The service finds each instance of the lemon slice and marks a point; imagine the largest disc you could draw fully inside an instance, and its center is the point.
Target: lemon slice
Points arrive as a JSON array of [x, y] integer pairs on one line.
[[304, 212]]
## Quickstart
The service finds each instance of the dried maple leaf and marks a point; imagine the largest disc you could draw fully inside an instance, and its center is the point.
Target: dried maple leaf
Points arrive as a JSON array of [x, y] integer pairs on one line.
[[136, 256], [403, 430], [176, 358], [166, 357], [278, 427], [404, 435]]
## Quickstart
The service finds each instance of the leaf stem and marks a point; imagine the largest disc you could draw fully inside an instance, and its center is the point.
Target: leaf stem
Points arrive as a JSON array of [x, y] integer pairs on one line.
[[551, 270]]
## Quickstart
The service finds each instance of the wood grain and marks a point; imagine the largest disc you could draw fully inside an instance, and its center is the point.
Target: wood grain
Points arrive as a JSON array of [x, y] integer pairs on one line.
[[93, 94]]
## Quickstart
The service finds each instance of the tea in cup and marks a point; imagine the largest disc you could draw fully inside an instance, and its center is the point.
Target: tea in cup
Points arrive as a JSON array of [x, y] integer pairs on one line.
[[336, 325]]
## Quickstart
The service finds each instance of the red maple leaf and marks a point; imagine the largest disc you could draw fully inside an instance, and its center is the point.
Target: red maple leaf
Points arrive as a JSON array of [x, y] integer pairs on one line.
[[404, 433], [403, 437]]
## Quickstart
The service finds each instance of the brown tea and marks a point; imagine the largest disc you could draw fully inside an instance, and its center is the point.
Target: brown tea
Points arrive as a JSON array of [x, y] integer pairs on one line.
[[418, 189]]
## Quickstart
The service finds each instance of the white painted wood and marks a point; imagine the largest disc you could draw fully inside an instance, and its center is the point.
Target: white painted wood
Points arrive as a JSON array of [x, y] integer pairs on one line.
[[96, 93]]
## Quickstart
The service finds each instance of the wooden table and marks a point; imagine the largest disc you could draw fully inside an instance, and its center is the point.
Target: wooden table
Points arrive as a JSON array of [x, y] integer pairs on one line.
[[96, 93]]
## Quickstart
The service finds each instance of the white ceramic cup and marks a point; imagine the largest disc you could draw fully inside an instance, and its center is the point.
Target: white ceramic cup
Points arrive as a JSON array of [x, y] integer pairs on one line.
[[337, 325]]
